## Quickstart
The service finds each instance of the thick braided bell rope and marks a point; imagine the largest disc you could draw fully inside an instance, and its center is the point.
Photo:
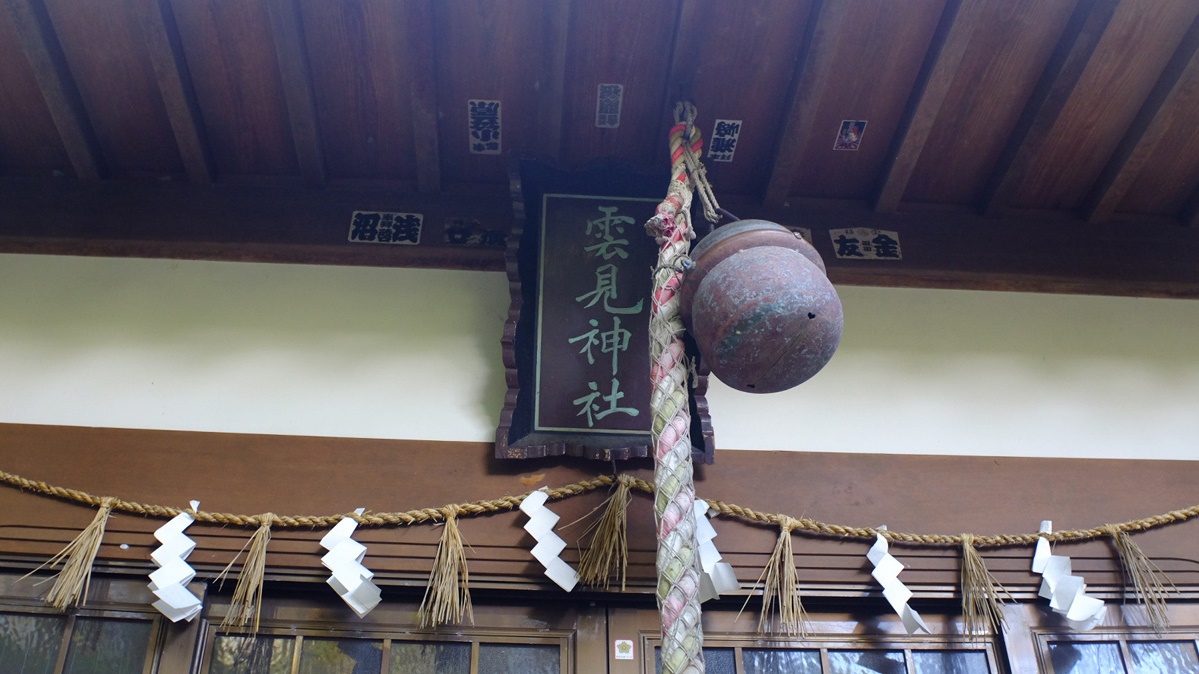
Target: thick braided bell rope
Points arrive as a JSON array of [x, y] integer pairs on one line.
[[678, 559]]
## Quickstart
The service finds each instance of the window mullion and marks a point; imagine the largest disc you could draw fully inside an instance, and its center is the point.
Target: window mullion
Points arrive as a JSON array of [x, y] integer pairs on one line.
[[295, 654], [909, 661], [386, 668], [68, 630]]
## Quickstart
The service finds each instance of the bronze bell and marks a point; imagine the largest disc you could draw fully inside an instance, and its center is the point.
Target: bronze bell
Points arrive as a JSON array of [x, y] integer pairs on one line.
[[760, 308]]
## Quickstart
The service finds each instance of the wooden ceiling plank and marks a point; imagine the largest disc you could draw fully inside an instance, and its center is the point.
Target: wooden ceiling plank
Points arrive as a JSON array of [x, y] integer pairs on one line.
[[1169, 103], [1062, 73], [288, 31], [422, 65], [958, 22], [49, 65], [178, 95], [555, 38], [812, 76]]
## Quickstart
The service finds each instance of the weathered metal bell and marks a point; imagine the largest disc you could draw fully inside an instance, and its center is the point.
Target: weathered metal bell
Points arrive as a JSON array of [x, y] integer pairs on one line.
[[760, 308]]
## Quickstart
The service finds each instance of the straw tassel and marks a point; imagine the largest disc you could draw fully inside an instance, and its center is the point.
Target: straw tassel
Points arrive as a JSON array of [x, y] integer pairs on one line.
[[609, 548], [782, 585], [982, 595], [1148, 580], [72, 582], [246, 605], [447, 598]]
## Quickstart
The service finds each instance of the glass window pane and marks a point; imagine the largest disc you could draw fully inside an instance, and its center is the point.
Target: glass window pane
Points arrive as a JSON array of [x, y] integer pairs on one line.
[[776, 660], [866, 662], [720, 661], [1085, 658], [1164, 657], [29, 643], [101, 646], [341, 656], [429, 658], [251, 655], [950, 662], [524, 658]]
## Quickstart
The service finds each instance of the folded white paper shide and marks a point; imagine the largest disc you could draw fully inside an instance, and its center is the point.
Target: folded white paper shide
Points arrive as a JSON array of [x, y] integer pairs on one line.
[[351, 580], [886, 572], [717, 577], [1067, 593], [549, 545], [169, 582]]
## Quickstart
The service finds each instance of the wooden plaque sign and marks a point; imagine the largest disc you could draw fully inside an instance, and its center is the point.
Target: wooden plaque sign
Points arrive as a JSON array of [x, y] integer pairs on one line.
[[576, 345]]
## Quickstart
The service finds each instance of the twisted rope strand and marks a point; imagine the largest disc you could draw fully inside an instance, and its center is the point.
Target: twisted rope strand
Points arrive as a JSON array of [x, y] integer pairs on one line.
[[731, 510]]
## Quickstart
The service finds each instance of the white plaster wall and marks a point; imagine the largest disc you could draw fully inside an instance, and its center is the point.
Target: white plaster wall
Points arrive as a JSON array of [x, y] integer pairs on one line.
[[401, 353]]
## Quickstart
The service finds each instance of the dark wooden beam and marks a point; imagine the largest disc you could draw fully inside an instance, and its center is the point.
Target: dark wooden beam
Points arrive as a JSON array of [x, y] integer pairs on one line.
[[292, 52], [555, 38], [958, 21], [1082, 34], [174, 81], [421, 58], [1026, 251], [1190, 212], [812, 75], [49, 65], [290, 224], [1171, 101]]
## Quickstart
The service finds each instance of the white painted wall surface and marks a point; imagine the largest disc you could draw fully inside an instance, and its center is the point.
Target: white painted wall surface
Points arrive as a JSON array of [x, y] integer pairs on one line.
[[402, 353]]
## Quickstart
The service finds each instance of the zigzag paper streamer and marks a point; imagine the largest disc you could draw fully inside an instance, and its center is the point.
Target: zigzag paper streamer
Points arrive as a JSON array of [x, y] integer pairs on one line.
[[169, 582], [716, 577], [886, 572], [1066, 593], [351, 580], [549, 545]]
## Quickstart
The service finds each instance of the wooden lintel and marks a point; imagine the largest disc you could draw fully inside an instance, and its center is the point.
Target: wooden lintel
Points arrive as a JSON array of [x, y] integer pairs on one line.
[[49, 65], [948, 46], [1058, 80], [293, 224], [811, 77], [1171, 101], [1024, 251], [292, 52], [175, 84], [420, 57]]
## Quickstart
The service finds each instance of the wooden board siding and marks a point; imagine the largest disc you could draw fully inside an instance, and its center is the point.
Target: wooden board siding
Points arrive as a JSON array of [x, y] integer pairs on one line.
[[304, 475]]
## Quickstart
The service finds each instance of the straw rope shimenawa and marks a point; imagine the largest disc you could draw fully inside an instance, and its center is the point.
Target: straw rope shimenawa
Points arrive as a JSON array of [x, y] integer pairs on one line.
[[484, 507], [1145, 577]]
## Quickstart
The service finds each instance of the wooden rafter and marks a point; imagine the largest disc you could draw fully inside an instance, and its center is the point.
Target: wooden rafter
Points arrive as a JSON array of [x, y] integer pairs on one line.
[[422, 68], [174, 82], [292, 52], [1062, 73], [1172, 99], [958, 22], [812, 75], [49, 65]]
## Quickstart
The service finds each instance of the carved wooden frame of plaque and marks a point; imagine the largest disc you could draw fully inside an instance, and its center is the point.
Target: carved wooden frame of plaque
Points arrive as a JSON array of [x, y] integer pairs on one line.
[[520, 435]]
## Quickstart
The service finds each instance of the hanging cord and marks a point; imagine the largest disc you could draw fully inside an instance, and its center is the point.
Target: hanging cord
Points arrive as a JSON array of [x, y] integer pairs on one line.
[[684, 113]]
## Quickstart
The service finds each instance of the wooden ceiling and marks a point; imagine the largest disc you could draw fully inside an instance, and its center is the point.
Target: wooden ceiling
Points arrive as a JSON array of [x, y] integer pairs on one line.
[[1048, 145]]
